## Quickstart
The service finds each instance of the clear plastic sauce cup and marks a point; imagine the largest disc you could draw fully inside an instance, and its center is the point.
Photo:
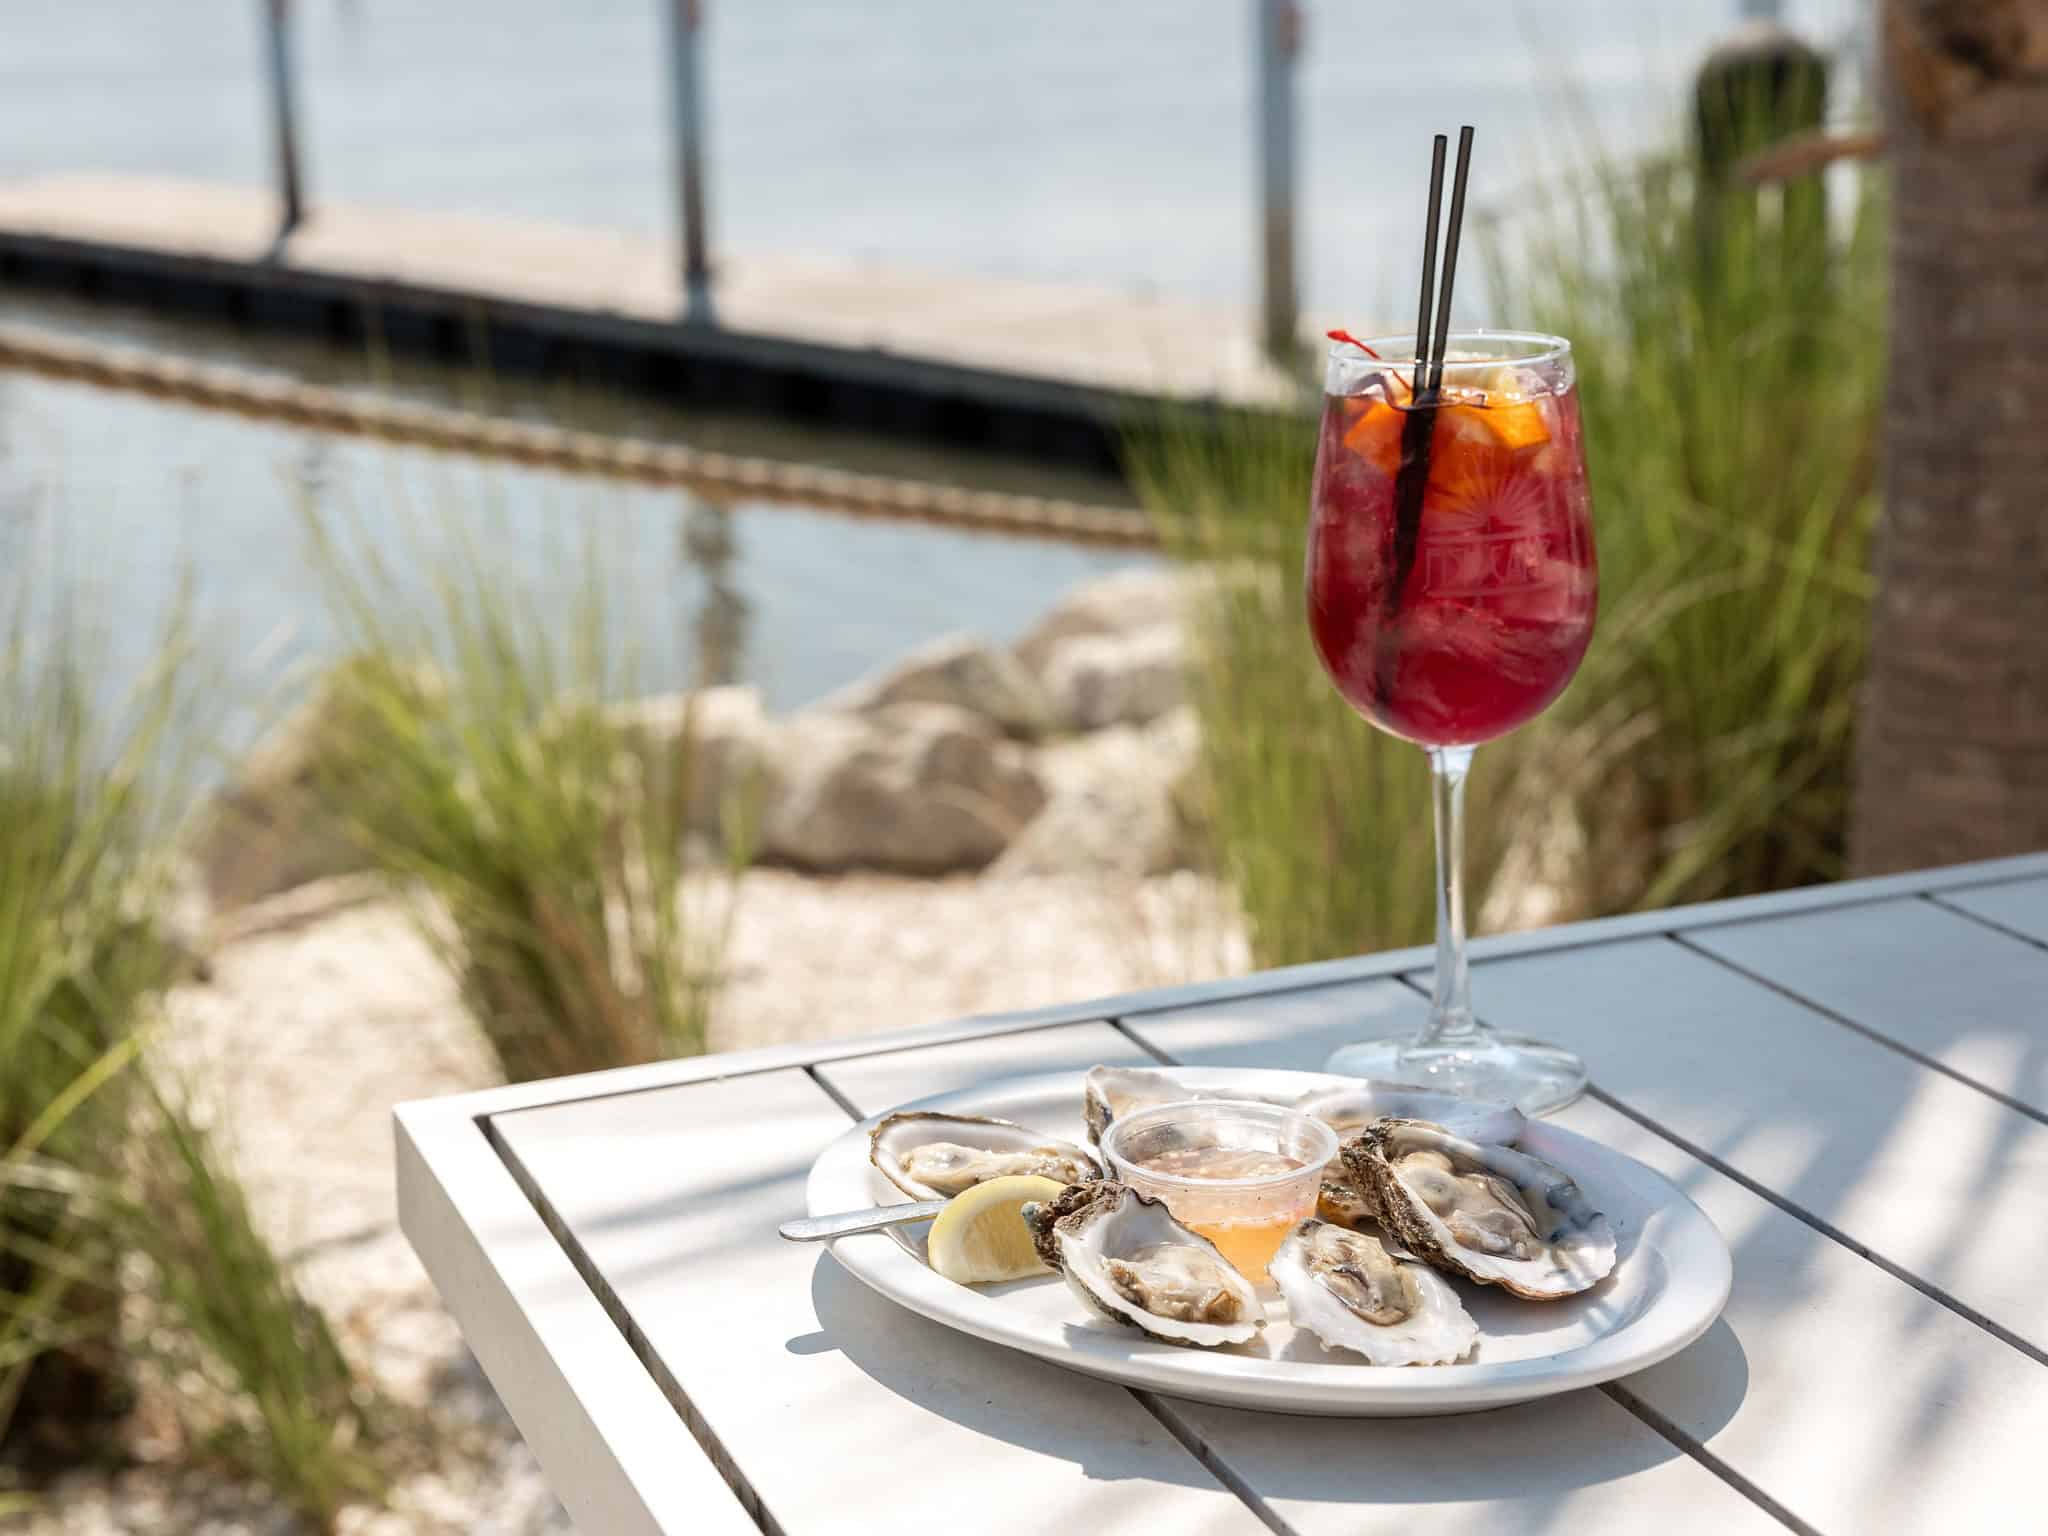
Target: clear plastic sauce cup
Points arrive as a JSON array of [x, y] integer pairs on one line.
[[1243, 1175]]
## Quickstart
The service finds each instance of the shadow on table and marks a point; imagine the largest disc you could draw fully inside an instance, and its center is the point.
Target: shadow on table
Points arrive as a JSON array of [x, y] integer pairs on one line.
[[993, 1391], [1533, 1455], [1533, 1458]]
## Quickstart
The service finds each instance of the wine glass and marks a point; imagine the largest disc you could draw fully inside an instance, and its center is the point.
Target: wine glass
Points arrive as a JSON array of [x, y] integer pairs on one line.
[[1451, 589]]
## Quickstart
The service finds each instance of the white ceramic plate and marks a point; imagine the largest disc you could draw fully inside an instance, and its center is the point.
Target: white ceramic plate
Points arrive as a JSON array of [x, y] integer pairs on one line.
[[1669, 1284]]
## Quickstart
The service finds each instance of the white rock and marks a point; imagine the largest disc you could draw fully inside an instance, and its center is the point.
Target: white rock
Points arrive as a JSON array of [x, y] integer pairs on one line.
[[1121, 679], [1116, 803], [728, 733], [1110, 605], [921, 788], [962, 671]]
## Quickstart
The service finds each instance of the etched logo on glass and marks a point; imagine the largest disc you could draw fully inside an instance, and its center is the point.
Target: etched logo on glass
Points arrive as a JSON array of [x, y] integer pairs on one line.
[[1487, 565]]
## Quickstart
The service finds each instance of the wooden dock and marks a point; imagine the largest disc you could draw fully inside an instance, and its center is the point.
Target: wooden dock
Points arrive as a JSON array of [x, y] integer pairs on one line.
[[1035, 369]]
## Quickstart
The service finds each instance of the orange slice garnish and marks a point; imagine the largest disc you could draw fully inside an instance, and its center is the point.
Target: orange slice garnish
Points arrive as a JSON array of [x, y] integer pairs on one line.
[[1515, 424], [1466, 465], [1376, 435]]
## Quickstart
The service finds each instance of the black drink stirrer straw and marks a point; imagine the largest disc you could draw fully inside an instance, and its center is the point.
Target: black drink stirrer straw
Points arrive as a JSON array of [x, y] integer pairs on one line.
[[1422, 314], [1412, 478], [1457, 225]]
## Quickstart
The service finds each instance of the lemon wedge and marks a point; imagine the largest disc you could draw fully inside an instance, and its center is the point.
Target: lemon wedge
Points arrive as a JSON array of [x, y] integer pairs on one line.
[[980, 1236]]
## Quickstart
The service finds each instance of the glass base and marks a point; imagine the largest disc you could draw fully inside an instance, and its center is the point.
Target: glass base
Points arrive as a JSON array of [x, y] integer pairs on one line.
[[1534, 1077]]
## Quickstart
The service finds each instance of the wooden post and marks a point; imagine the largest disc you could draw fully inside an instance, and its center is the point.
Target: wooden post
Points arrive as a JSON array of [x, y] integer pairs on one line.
[[686, 19], [1760, 87], [291, 198], [1279, 38]]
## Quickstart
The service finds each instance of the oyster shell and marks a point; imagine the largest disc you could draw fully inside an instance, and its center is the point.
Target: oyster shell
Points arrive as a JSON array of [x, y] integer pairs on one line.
[[1350, 1109], [1043, 1219], [931, 1156], [1340, 1199], [1493, 1214], [1350, 1292], [1126, 1257], [1110, 1092]]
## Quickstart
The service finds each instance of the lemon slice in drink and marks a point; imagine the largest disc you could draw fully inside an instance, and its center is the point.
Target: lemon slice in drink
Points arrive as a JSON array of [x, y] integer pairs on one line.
[[980, 1236]]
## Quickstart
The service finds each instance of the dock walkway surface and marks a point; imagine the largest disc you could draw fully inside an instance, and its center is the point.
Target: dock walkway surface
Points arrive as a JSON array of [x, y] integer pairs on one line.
[[1010, 365]]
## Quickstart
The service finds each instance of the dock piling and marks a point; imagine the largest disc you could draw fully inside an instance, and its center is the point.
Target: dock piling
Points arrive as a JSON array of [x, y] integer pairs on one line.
[[686, 20], [1279, 31], [284, 116]]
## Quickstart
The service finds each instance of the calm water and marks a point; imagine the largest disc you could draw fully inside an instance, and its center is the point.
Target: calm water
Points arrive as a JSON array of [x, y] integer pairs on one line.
[[132, 492], [1067, 140]]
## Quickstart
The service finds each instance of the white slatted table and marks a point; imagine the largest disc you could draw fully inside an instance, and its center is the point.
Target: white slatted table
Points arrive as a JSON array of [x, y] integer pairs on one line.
[[1852, 1080]]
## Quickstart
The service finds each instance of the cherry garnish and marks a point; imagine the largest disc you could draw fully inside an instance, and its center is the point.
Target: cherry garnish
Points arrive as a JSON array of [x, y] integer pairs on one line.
[[1347, 337]]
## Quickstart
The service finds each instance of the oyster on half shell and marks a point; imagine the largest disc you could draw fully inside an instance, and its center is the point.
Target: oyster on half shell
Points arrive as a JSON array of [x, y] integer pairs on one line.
[[1350, 1292], [1347, 1111], [1126, 1257], [1492, 1214], [932, 1156]]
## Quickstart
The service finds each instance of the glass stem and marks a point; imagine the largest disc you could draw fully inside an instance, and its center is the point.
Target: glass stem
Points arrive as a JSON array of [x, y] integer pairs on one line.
[[1450, 1007]]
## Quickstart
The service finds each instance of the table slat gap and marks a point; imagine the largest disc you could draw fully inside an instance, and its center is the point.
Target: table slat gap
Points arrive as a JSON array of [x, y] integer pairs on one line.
[[832, 1092], [1875, 1036], [1700, 1453], [1936, 899], [1823, 1226], [1142, 1043], [1194, 1443], [699, 1427]]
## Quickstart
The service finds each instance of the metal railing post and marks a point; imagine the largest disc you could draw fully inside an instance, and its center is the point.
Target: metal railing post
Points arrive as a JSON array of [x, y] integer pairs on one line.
[[686, 20], [1279, 29], [284, 115]]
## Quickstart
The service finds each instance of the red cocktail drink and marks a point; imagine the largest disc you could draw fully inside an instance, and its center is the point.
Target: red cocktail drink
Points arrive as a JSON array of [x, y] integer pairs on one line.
[[1475, 622], [1451, 587]]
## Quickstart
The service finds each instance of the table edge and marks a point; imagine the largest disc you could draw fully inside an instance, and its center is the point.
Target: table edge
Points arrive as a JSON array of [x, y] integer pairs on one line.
[[615, 1451]]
